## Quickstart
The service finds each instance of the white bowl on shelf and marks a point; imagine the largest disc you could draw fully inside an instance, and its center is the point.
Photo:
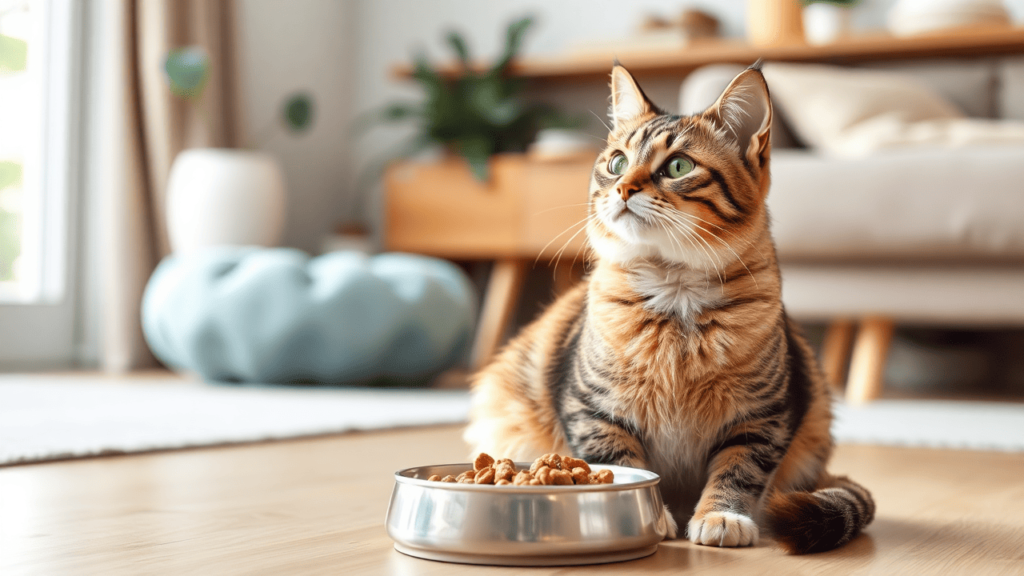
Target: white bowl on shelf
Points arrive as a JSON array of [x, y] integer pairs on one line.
[[911, 17]]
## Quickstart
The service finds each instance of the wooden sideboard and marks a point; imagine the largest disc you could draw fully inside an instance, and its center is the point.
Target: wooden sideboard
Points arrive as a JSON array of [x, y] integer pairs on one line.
[[528, 211]]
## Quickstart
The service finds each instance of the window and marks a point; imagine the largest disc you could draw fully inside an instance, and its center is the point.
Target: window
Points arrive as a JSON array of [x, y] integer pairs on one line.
[[40, 49], [34, 131]]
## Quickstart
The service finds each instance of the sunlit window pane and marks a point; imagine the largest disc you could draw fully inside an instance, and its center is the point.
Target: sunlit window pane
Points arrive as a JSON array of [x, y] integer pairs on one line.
[[21, 128]]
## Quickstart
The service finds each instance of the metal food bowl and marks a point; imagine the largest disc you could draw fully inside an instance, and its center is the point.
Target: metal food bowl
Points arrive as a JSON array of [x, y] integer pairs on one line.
[[526, 525]]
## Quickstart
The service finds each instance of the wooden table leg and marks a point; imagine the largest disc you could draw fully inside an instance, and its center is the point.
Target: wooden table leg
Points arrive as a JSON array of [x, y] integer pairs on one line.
[[868, 362], [499, 302], [835, 352]]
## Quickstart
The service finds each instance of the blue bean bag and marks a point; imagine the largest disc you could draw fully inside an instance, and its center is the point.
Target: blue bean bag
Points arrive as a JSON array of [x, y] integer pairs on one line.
[[277, 315]]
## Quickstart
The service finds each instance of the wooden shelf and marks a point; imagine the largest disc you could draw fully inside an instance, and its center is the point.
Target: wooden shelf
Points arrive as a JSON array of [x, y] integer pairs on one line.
[[967, 43]]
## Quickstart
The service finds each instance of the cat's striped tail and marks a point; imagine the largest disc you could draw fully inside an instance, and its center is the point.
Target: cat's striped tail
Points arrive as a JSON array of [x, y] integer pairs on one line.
[[805, 522]]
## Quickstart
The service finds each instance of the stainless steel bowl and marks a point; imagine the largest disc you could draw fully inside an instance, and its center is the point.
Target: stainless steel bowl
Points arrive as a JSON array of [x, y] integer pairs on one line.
[[526, 525]]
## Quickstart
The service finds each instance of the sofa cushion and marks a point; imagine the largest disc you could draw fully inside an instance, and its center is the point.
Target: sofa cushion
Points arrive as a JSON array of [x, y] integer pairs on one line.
[[945, 204], [968, 84], [853, 112]]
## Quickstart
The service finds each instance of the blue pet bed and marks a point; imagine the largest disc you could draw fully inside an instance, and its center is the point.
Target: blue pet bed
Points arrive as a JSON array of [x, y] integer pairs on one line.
[[277, 315]]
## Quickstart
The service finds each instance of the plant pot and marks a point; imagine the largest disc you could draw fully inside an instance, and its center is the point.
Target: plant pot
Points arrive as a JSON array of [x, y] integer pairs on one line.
[[219, 196], [774, 23], [825, 23]]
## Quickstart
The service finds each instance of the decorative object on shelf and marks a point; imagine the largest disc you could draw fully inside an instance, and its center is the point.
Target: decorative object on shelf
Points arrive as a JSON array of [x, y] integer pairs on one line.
[[690, 25], [476, 114], [656, 34], [774, 23], [826, 21], [911, 17], [222, 196], [279, 316]]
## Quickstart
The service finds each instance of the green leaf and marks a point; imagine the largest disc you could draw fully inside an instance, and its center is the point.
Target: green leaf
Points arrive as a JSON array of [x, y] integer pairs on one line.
[[10, 174], [425, 75], [298, 112], [187, 70], [477, 151], [13, 54], [458, 44], [513, 39]]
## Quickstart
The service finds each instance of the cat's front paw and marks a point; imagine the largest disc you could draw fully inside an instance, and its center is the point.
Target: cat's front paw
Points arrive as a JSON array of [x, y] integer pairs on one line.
[[672, 531], [722, 529]]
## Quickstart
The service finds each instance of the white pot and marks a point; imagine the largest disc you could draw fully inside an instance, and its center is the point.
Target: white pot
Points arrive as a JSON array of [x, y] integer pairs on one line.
[[219, 196], [825, 23]]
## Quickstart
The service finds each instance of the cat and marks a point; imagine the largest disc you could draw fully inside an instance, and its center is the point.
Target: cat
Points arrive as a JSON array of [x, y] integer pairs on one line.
[[675, 354]]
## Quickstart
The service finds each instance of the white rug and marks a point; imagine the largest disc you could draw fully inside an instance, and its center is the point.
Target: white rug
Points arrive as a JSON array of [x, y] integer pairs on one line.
[[47, 419], [50, 418]]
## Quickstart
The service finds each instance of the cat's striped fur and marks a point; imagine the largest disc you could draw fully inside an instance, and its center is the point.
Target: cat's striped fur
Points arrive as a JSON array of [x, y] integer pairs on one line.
[[675, 354]]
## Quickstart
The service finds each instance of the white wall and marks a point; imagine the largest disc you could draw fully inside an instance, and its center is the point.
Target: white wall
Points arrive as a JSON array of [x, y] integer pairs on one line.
[[301, 45]]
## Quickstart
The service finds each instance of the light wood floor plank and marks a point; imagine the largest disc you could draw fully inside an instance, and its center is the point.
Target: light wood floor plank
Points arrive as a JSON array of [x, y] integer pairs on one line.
[[317, 507]]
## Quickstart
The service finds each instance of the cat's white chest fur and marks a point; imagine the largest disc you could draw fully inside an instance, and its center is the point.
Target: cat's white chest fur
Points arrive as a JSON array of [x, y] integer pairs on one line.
[[680, 292]]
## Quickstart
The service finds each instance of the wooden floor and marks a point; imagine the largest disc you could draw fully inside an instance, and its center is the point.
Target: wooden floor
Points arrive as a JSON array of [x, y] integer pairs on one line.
[[317, 507]]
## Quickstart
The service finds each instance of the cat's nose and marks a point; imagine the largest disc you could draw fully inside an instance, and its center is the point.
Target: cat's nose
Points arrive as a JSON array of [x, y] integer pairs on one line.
[[626, 191]]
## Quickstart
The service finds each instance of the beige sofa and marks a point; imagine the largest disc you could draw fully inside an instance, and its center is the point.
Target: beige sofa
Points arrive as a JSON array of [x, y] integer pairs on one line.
[[920, 236]]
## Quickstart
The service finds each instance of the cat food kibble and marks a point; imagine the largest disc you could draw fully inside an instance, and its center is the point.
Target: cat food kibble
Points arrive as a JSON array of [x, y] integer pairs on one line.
[[548, 470]]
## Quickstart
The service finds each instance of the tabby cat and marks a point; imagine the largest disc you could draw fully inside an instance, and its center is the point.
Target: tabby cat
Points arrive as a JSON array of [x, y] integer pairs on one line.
[[675, 354]]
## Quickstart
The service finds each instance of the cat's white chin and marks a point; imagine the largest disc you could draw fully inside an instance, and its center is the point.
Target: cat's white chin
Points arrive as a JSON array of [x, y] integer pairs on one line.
[[640, 242]]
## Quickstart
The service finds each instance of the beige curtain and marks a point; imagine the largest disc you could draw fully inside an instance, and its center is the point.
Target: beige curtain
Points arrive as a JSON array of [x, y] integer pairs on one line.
[[153, 127]]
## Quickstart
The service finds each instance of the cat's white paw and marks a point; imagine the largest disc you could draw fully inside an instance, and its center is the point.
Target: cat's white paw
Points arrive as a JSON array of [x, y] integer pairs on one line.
[[673, 528], [722, 529]]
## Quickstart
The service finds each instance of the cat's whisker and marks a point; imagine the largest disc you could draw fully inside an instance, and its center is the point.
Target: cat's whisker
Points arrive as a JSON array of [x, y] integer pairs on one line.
[[726, 244], [552, 241], [708, 251], [601, 120], [561, 207], [558, 255], [668, 231], [748, 243], [682, 226]]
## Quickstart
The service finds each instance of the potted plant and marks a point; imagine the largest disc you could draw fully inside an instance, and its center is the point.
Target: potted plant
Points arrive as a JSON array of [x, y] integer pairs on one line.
[[222, 196], [476, 112], [468, 203], [826, 21]]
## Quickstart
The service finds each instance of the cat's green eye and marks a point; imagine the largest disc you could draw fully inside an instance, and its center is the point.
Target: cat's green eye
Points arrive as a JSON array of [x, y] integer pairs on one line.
[[678, 167], [618, 165]]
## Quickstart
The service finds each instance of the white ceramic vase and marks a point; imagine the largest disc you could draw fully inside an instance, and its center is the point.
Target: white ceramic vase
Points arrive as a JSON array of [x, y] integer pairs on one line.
[[219, 196], [825, 23]]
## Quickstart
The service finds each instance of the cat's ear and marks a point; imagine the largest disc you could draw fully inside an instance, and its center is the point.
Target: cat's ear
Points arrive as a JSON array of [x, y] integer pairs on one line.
[[628, 100], [744, 110]]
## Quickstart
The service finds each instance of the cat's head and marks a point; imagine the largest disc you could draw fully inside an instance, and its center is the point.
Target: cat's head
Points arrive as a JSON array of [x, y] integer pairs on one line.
[[682, 189]]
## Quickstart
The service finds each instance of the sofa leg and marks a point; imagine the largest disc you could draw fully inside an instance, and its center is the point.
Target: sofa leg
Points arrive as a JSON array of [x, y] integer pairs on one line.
[[835, 352], [868, 362], [499, 302]]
